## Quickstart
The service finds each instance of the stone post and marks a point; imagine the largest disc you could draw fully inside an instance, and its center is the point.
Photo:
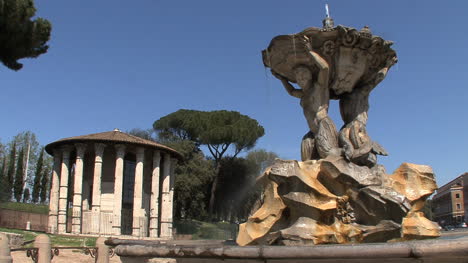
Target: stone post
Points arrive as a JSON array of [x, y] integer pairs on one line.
[[154, 203], [119, 166], [138, 192], [102, 251], [165, 194], [78, 187], [96, 204], [5, 254], [54, 194], [63, 202], [42, 243]]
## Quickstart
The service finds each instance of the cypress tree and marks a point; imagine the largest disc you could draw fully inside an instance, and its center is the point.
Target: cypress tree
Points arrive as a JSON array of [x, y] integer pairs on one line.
[[2, 167], [44, 184], [11, 172], [19, 182], [37, 178], [3, 180], [26, 195]]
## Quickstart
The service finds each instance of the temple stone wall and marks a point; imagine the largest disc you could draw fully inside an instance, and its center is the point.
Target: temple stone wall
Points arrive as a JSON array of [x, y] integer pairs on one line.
[[89, 179]]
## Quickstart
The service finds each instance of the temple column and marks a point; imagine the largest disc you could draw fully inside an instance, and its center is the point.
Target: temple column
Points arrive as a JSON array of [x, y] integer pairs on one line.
[[96, 202], [138, 193], [63, 202], [118, 184], [166, 221], [171, 196], [77, 189], [154, 203], [54, 194]]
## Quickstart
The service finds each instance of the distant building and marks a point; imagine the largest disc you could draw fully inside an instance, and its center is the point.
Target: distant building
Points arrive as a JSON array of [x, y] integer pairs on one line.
[[111, 183], [450, 204]]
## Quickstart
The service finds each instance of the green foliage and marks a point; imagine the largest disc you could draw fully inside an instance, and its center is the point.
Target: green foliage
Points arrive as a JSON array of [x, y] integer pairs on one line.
[[2, 151], [144, 134], [10, 172], [260, 159], [27, 235], [179, 125], [217, 129], [56, 240], [187, 227], [28, 141], [26, 195], [37, 178], [3, 180], [236, 190], [19, 182], [45, 183], [192, 181], [39, 209], [206, 230], [21, 37]]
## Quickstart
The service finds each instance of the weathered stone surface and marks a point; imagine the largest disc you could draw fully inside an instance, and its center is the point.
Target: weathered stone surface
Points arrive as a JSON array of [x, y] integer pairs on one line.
[[416, 226], [348, 173], [336, 201], [414, 181], [376, 203], [264, 219], [307, 231], [385, 230]]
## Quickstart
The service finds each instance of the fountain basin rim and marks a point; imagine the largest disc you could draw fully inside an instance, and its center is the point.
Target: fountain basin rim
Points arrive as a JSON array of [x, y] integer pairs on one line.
[[440, 249]]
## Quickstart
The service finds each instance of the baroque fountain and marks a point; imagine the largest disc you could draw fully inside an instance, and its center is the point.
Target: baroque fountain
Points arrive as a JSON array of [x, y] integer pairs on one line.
[[337, 204], [338, 193]]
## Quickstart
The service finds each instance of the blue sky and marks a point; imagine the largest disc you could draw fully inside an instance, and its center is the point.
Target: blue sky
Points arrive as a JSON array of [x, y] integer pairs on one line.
[[120, 64]]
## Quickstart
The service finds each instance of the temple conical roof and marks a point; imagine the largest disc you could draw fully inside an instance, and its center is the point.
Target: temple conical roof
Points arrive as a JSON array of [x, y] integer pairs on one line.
[[115, 137]]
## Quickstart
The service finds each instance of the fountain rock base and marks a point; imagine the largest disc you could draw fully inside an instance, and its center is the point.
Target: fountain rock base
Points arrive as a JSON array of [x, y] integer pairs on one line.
[[334, 201]]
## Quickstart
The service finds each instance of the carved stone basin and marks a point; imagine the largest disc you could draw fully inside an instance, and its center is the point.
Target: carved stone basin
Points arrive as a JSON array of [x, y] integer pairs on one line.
[[354, 56]]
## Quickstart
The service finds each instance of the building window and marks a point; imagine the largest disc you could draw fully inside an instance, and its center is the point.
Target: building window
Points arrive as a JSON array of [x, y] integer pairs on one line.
[[458, 206], [457, 195]]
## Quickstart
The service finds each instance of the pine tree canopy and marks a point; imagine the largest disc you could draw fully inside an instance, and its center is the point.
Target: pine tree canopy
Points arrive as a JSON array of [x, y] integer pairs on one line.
[[216, 129], [21, 37]]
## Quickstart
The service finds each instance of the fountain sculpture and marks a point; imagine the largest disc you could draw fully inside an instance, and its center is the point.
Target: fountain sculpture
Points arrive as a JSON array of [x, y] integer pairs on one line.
[[337, 193]]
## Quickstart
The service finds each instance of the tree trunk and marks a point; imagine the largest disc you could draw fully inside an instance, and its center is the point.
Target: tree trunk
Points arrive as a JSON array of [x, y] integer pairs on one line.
[[213, 191], [212, 196]]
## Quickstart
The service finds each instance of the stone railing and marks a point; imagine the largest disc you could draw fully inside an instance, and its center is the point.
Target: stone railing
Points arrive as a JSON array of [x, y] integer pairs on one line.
[[43, 252]]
